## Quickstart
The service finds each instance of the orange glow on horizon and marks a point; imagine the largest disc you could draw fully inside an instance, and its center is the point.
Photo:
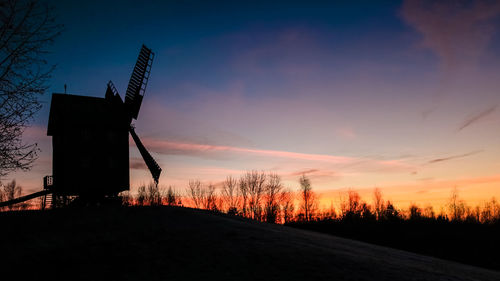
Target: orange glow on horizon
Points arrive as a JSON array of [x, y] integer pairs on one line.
[[473, 191]]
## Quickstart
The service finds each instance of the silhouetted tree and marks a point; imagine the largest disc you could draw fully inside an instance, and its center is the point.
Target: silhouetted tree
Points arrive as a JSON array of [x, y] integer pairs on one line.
[[491, 211], [2, 196], [378, 203], [153, 195], [330, 213], [210, 198], [272, 197], [27, 28], [308, 198], [126, 198], [287, 205], [366, 212], [141, 195], [230, 195], [171, 198], [477, 213], [391, 213], [243, 192], [414, 212], [354, 204], [196, 193], [428, 212], [469, 214], [255, 183], [11, 191], [456, 206], [353, 207]]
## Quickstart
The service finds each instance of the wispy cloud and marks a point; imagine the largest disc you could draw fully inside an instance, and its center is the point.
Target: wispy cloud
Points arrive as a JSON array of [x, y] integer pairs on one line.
[[319, 175], [457, 31], [324, 164], [168, 147], [476, 117], [137, 164], [304, 172], [437, 160]]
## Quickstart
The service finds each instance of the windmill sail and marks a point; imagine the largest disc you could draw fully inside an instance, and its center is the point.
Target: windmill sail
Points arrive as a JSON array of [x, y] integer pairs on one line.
[[138, 82], [153, 167], [112, 93]]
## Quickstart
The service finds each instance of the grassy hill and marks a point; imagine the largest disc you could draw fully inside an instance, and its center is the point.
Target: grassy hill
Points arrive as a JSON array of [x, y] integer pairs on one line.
[[168, 243]]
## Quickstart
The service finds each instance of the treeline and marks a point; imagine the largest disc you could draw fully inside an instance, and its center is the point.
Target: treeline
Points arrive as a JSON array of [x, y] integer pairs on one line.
[[255, 195], [262, 196], [354, 208], [152, 195], [459, 232]]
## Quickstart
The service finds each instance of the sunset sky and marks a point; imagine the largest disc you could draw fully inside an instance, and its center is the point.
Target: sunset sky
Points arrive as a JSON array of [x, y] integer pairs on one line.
[[403, 96]]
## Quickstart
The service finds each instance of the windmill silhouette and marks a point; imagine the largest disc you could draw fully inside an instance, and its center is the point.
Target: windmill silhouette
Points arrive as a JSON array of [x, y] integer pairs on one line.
[[133, 100], [90, 149], [90, 140]]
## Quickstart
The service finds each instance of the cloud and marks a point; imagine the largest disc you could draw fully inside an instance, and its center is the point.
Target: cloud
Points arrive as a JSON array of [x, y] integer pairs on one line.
[[477, 117], [326, 165], [194, 149], [453, 157], [317, 175], [304, 172], [218, 171], [457, 31], [138, 164]]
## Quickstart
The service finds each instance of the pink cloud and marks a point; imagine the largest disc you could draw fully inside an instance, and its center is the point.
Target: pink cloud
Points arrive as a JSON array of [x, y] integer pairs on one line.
[[304, 172], [168, 147], [220, 172], [137, 163], [221, 151], [317, 175]]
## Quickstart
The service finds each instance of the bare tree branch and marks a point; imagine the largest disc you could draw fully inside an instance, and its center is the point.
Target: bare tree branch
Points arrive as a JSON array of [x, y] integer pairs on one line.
[[27, 28]]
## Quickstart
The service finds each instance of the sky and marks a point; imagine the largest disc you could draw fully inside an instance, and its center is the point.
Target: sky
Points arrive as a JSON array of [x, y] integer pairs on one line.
[[399, 95]]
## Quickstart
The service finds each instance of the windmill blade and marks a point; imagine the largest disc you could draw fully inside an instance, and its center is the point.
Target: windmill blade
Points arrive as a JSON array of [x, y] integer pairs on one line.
[[153, 167], [112, 94], [138, 82]]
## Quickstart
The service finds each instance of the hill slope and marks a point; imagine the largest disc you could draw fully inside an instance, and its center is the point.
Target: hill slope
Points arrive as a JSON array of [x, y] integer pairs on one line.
[[185, 244]]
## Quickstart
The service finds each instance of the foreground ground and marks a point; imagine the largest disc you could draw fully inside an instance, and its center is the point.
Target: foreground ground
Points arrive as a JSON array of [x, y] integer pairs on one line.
[[467, 242], [184, 244]]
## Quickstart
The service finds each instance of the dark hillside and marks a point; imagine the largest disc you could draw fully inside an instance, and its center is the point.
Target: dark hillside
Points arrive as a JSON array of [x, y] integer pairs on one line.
[[185, 244], [461, 241]]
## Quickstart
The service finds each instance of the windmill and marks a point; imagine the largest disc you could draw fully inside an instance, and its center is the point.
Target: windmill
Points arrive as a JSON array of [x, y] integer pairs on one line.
[[133, 100], [90, 142]]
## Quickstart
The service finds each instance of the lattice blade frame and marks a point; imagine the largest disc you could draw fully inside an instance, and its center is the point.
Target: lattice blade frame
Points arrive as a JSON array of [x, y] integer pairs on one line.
[[153, 166], [138, 82]]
